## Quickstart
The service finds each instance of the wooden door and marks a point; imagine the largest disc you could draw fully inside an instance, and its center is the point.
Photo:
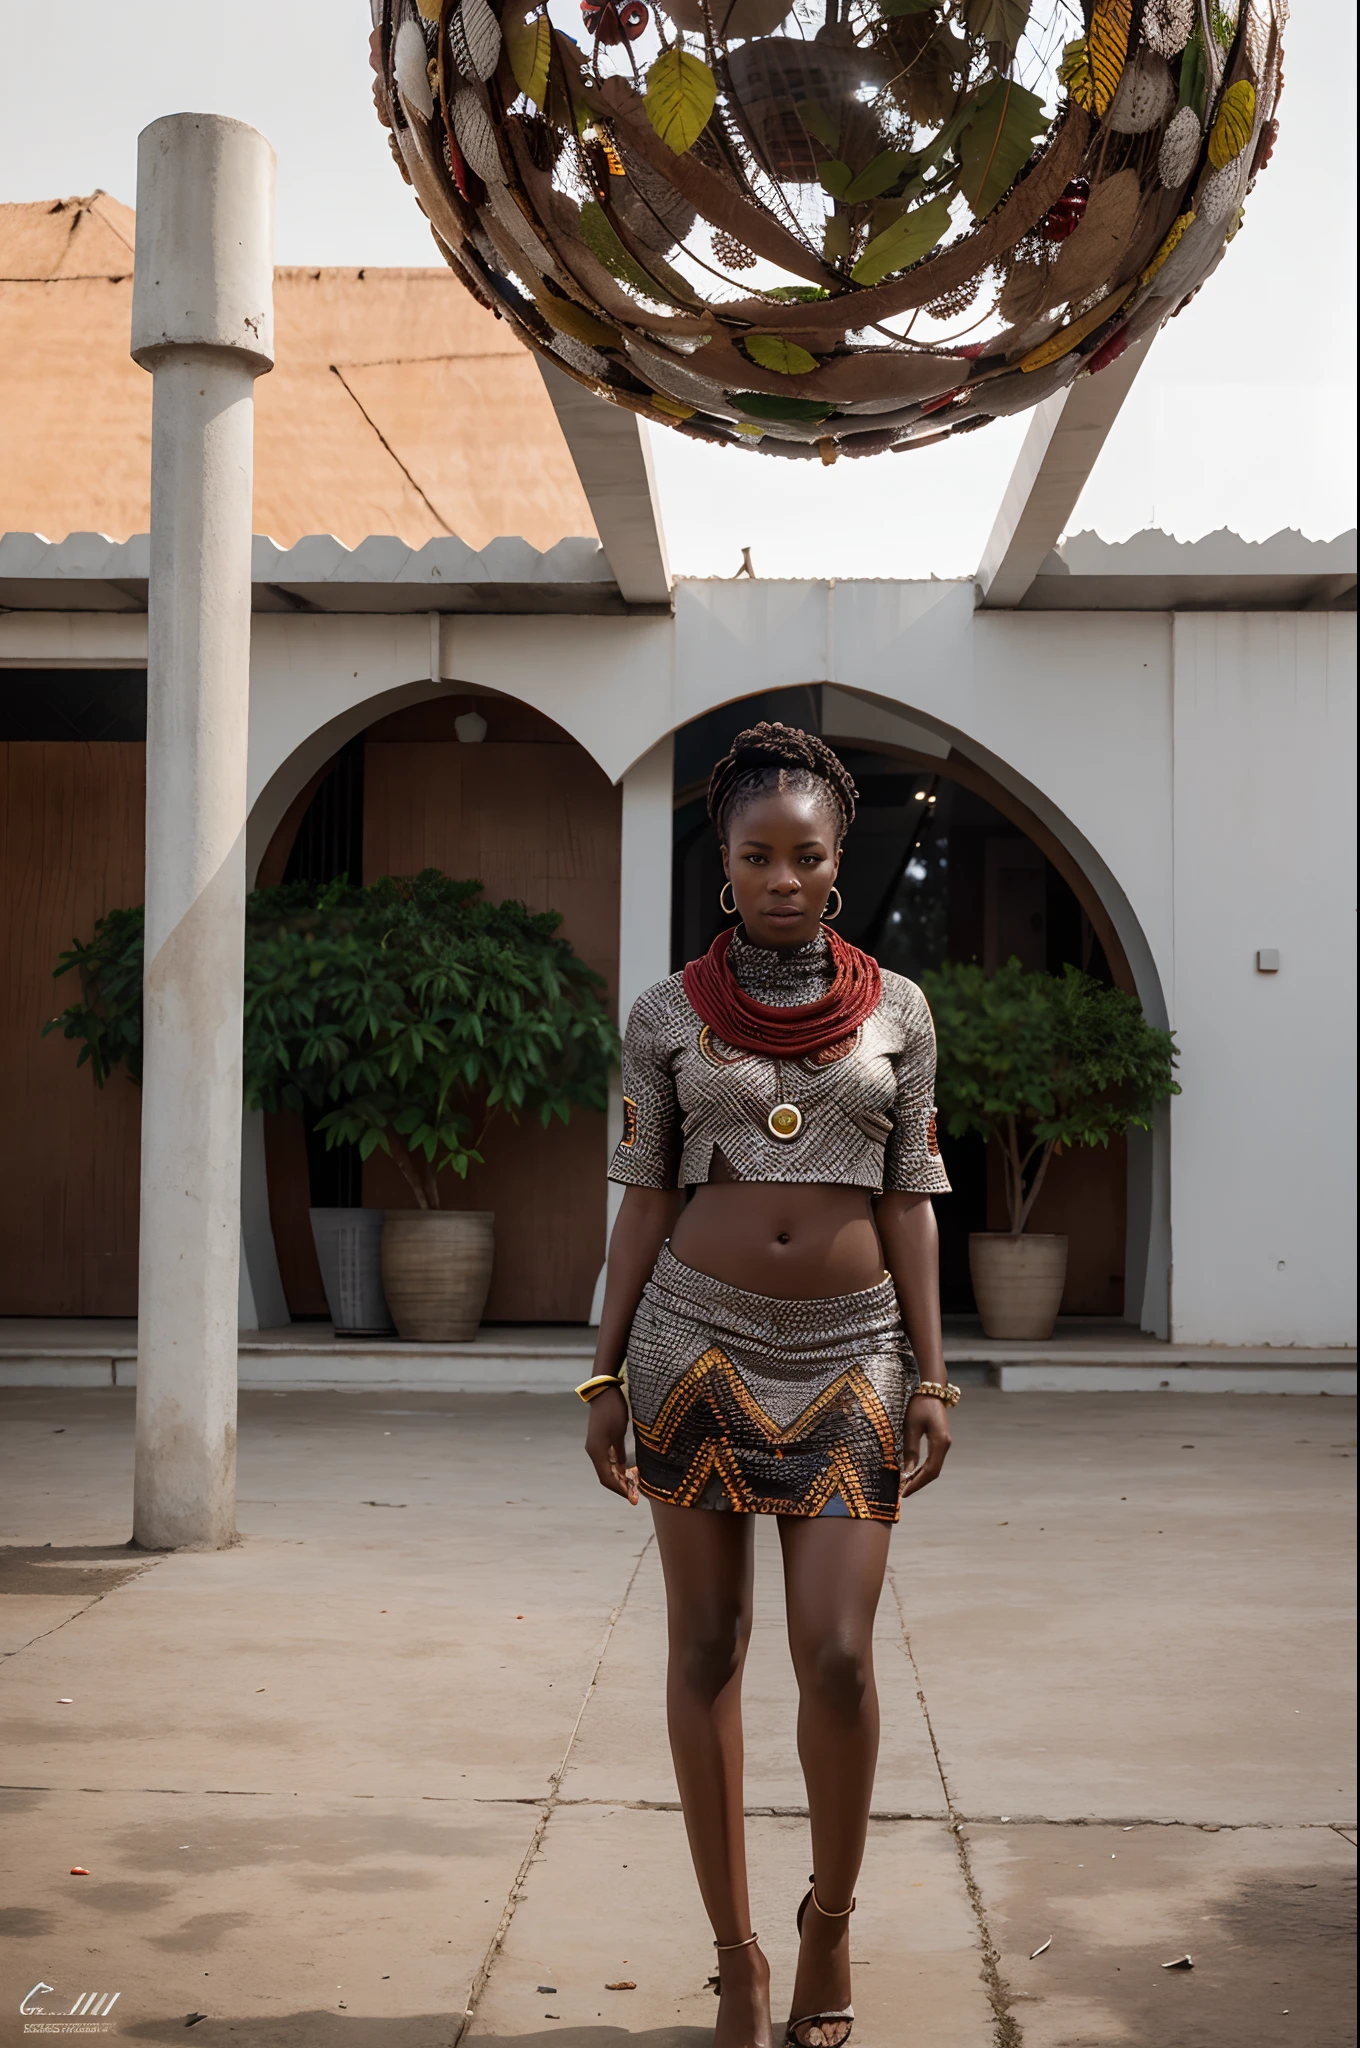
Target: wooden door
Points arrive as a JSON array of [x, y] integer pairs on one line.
[[536, 819], [72, 826]]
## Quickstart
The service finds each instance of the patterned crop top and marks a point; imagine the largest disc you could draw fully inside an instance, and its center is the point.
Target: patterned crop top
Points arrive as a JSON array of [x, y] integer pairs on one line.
[[860, 1114]]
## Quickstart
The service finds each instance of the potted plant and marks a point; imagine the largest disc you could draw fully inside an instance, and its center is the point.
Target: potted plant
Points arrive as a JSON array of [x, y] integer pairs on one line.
[[407, 1016], [1036, 1063]]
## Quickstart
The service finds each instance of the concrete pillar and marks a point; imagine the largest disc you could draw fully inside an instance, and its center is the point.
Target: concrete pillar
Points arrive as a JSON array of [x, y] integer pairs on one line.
[[647, 833], [202, 323]]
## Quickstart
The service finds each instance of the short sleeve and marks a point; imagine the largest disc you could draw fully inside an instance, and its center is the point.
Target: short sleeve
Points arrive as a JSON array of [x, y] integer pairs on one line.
[[648, 1154], [912, 1164]]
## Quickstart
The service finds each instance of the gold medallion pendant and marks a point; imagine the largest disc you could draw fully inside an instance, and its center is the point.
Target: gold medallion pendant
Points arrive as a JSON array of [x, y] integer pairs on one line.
[[785, 1120]]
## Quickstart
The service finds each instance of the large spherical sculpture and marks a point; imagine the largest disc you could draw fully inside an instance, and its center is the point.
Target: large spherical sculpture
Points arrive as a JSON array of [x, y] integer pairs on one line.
[[831, 229]]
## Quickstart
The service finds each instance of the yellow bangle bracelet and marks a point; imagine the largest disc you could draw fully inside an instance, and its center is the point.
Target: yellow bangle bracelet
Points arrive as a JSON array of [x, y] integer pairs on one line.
[[588, 1389], [949, 1393]]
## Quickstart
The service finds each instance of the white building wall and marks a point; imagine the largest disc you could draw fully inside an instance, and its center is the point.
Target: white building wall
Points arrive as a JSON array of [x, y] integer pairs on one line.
[[1200, 769], [1263, 1137]]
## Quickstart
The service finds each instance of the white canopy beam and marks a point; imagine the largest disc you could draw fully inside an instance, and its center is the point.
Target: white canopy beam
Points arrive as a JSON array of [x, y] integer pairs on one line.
[[1066, 435], [608, 444]]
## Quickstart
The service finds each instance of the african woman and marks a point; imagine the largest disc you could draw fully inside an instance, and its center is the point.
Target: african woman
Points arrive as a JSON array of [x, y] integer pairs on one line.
[[773, 1289]]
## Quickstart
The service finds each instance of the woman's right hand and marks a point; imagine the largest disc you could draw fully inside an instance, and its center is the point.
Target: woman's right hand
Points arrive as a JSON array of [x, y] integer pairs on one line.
[[605, 1445]]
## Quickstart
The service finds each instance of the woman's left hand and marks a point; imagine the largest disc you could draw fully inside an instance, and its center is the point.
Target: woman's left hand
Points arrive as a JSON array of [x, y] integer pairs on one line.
[[927, 1441]]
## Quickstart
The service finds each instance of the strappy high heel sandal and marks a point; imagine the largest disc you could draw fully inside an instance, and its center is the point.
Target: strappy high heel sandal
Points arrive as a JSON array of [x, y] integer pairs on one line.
[[821, 2029]]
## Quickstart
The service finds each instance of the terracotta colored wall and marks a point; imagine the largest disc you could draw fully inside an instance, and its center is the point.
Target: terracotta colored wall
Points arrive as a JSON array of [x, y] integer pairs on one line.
[[71, 847]]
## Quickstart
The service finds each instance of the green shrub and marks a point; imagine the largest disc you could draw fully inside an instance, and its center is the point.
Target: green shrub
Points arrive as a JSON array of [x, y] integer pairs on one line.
[[409, 1013], [1040, 1062]]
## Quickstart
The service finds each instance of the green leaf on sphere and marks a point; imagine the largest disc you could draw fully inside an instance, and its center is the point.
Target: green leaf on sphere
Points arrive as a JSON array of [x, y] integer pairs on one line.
[[763, 405], [876, 177], [528, 45], [904, 243], [998, 142], [818, 123], [1224, 26], [834, 176], [997, 21], [797, 294], [680, 95], [773, 352], [836, 241], [1194, 81], [599, 237]]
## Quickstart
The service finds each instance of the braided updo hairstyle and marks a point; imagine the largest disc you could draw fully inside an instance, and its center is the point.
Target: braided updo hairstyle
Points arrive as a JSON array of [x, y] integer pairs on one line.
[[771, 757]]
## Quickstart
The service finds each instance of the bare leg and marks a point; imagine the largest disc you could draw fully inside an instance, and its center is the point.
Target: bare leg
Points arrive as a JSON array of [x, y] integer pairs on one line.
[[833, 1575], [707, 1558]]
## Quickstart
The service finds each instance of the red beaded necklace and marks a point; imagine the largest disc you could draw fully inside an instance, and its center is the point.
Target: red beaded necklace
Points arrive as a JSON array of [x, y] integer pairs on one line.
[[716, 997]]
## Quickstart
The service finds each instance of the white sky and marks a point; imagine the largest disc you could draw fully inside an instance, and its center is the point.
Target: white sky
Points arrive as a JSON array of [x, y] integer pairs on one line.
[[1243, 416]]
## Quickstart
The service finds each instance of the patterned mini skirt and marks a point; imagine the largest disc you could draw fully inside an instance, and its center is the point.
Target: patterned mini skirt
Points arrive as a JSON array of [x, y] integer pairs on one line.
[[763, 1406]]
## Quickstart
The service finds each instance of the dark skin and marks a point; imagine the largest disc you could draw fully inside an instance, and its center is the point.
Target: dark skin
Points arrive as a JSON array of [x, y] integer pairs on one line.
[[799, 1243]]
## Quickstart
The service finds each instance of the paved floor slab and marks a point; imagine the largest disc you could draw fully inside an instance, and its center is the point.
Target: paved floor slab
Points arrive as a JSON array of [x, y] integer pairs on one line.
[[602, 1905], [1266, 1914], [1140, 1608], [282, 1920], [621, 1752], [438, 1634]]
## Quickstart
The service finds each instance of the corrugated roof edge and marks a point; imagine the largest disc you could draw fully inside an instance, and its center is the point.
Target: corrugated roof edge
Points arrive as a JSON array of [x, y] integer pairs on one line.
[[1222, 553], [320, 558]]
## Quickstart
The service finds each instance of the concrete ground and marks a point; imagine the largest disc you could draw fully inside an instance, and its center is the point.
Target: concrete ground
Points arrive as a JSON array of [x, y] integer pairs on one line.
[[400, 1756]]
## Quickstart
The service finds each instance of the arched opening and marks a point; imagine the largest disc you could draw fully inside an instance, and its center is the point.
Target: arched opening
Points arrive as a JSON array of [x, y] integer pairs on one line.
[[947, 861], [523, 808]]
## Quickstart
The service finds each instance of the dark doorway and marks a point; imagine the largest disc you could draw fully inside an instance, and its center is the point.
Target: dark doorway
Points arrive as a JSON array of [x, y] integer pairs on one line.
[[932, 871]]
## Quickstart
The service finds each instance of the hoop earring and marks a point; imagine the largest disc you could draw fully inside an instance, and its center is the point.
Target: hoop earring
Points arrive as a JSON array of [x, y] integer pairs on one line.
[[727, 909], [830, 916]]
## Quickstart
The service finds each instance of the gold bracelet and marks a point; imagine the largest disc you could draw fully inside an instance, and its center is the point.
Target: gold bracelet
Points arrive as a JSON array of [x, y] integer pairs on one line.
[[950, 1395], [588, 1389]]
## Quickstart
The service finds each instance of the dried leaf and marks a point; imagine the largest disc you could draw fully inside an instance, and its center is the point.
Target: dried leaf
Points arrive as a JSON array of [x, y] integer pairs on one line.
[[475, 39], [1091, 66], [528, 45], [773, 352], [1042, 1949], [1179, 152], [1092, 255], [998, 141], [1174, 233], [906, 241], [1231, 131], [680, 95], [1067, 338], [621, 1984], [1167, 25]]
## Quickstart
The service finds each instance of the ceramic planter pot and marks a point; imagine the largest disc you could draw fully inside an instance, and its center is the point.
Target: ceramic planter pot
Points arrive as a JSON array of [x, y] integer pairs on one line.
[[436, 1268], [349, 1253], [1018, 1281]]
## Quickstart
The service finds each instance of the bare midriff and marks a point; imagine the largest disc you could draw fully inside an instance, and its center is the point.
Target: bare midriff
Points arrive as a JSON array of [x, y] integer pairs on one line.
[[800, 1242]]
